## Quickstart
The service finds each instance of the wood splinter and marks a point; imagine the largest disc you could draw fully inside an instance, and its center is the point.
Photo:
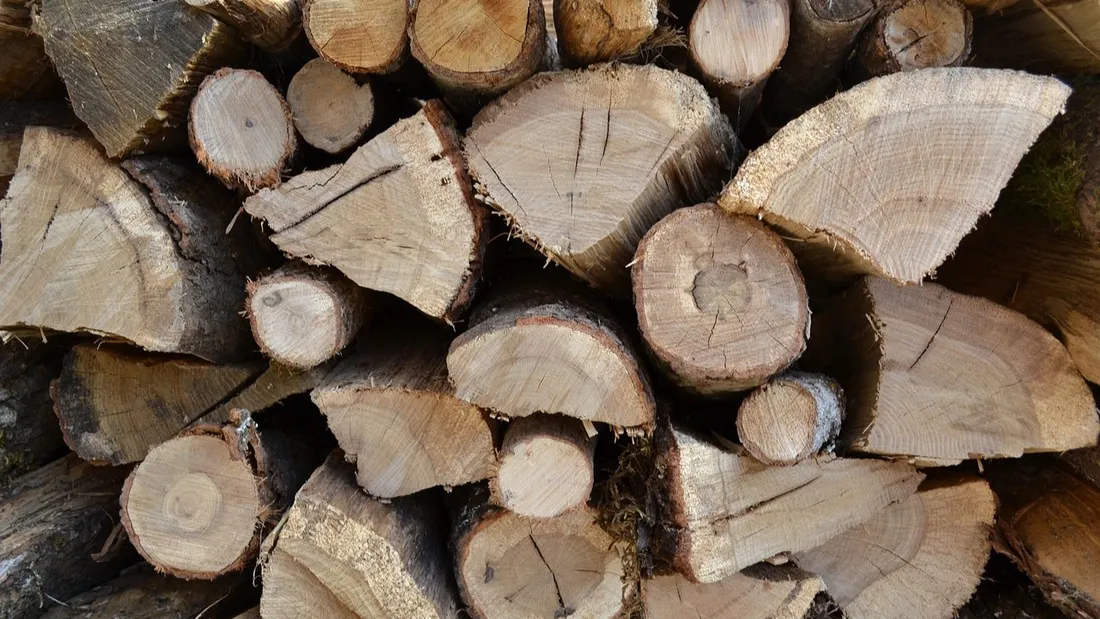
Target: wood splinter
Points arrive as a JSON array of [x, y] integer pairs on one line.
[[545, 466], [791, 418]]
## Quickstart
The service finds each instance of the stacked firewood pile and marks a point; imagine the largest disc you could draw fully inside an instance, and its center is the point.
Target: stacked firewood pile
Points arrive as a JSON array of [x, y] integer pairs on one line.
[[533, 310]]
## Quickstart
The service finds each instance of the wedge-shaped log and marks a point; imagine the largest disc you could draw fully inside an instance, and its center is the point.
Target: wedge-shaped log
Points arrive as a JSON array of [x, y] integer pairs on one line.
[[359, 36], [727, 511], [399, 216], [584, 187], [862, 193], [591, 31], [31, 437], [269, 24], [759, 592], [938, 377], [922, 557], [545, 466]]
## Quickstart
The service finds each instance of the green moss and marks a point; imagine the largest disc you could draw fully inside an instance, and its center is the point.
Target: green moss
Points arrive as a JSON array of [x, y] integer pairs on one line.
[[1048, 181]]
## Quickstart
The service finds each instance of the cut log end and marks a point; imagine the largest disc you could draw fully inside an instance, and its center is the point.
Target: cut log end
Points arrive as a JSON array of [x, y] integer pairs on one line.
[[787, 595], [791, 418], [330, 109], [917, 34], [545, 466], [591, 31], [359, 36]]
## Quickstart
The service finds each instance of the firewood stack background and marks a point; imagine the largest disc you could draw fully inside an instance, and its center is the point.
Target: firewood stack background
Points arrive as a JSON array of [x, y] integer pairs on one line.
[[578, 308]]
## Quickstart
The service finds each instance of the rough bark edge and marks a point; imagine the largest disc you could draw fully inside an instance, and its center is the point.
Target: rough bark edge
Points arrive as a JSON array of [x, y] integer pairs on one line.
[[873, 57], [830, 407]]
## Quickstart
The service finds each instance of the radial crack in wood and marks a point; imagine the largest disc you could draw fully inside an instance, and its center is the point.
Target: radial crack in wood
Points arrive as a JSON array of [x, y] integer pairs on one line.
[[916, 34], [781, 594], [269, 24], [791, 418], [330, 108], [590, 31], [545, 466], [359, 36]]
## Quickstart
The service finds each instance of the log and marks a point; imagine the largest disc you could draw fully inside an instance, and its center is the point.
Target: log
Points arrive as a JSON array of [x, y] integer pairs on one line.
[[785, 594], [148, 237], [131, 79], [922, 557], [399, 216], [271, 25], [847, 180], [734, 46], [116, 404], [252, 613], [15, 117], [330, 108], [240, 129], [52, 521], [395, 415], [672, 147], [196, 505], [591, 31], [29, 436], [791, 418], [915, 34], [26, 72], [938, 377], [1051, 37], [519, 568], [725, 511], [342, 554], [338, 30], [474, 51], [721, 303], [545, 466], [302, 316]]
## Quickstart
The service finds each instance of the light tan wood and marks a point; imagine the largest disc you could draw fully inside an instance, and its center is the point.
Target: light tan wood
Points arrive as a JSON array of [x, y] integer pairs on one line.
[[590, 31], [938, 377], [16, 116], [921, 558], [791, 418], [399, 216], [916, 34], [720, 300], [1042, 37], [744, 595], [859, 180], [729, 511], [138, 252], [359, 36], [330, 108], [240, 129], [582, 186], [545, 466], [269, 24]]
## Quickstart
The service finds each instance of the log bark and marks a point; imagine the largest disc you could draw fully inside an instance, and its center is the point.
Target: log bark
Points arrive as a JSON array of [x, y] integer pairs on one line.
[[271, 25], [721, 303], [672, 147], [52, 521], [725, 511], [15, 117], [915, 34], [735, 45], [396, 417], [131, 79], [149, 237], [342, 554], [922, 557], [399, 216], [196, 506], [475, 51], [29, 436], [331, 109], [938, 377], [240, 129], [115, 404], [336, 29], [791, 418], [302, 316], [847, 180], [591, 31], [27, 72], [756, 593], [545, 466], [1051, 37], [520, 568]]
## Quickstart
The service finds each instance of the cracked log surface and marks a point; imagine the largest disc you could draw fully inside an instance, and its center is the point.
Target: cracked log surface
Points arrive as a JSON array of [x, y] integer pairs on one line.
[[590, 31], [269, 24], [915, 34], [399, 216], [359, 36], [331, 109], [137, 252], [29, 436], [791, 417], [758, 592], [939, 377]]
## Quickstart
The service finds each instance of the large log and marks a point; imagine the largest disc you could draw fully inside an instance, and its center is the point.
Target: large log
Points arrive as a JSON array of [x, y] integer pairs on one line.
[[330, 108], [1046, 37], [83, 237], [915, 34], [545, 466], [759, 592], [359, 36], [269, 24], [29, 436], [590, 31], [26, 72]]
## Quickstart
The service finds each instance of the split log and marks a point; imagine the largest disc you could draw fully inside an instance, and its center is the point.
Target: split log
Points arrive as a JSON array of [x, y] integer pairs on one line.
[[342, 554], [271, 25], [720, 300], [519, 568], [735, 45], [395, 415], [196, 506], [15, 117], [545, 466], [850, 183], [302, 316], [547, 348], [672, 147], [915, 34], [29, 436], [791, 418], [359, 36], [725, 511], [938, 377], [330, 108], [757, 593], [26, 72], [115, 405], [1052, 37], [131, 67], [399, 216], [921, 558], [83, 238], [477, 50], [52, 521], [240, 129], [590, 31]]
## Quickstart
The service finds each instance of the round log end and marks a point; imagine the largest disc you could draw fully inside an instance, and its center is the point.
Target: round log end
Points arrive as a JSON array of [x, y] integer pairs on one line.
[[330, 109], [545, 466], [360, 36], [928, 33], [739, 43], [790, 418]]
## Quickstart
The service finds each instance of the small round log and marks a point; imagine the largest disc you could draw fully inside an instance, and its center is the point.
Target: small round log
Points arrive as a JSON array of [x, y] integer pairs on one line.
[[330, 109], [791, 418], [359, 36], [916, 34], [545, 466]]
